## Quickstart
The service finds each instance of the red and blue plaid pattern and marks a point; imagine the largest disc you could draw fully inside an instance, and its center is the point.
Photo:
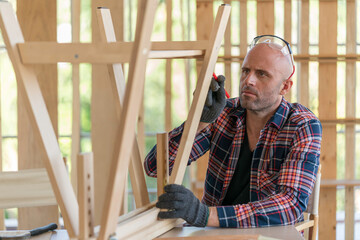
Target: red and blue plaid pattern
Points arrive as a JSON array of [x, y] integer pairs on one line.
[[283, 171]]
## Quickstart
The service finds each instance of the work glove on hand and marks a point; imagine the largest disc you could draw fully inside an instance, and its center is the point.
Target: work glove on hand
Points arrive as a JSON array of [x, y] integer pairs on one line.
[[215, 100], [181, 203]]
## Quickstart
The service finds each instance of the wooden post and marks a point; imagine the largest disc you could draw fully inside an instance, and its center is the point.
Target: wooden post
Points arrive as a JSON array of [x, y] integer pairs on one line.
[[350, 113], [204, 24], [202, 88], [76, 128], [40, 120], [85, 191], [31, 17], [104, 117], [126, 132], [117, 80], [303, 73], [265, 17], [162, 161], [227, 52], [327, 110], [168, 77], [287, 32]]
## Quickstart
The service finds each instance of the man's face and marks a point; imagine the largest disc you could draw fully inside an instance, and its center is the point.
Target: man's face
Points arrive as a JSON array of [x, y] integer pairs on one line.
[[262, 80]]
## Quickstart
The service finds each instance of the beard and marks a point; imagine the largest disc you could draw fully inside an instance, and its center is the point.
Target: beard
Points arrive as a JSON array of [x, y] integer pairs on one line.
[[258, 102]]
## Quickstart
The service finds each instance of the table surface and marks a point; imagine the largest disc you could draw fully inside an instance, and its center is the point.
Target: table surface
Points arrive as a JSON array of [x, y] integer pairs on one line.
[[278, 232]]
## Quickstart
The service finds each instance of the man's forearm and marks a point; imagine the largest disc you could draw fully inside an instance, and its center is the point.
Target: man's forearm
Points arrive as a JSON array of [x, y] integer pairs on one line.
[[213, 220]]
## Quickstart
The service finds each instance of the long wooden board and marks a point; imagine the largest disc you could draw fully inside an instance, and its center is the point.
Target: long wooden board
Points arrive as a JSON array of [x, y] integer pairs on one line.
[[40, 120]]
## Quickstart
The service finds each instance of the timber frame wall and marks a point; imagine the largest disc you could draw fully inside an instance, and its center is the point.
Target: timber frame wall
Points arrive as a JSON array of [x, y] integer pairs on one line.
[[32, 15]]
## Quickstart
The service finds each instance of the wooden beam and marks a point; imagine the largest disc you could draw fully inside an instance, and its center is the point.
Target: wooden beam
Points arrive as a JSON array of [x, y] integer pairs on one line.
[[327, 110], [350, 131], [203, 84], [40, 120], [31, 17], [116, 77], [26, 188], [303, 83], [287, 33], [265, 17], [243, 28], [85, 174], [76, 126], [168, 72], [340, 182], [115, 52], [227, 51], [162, 161], [125, 139]]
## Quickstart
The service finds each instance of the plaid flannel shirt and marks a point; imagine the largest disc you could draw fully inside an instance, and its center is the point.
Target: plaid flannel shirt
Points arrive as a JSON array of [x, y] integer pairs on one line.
[[283, 170]]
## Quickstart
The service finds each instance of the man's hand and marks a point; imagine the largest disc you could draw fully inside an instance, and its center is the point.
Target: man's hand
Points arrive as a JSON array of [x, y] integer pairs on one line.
[[215, 100], [181, 203]]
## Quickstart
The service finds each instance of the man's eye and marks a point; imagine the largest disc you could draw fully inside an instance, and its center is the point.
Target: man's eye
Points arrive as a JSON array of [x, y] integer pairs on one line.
[[262, 74], [245, 71]]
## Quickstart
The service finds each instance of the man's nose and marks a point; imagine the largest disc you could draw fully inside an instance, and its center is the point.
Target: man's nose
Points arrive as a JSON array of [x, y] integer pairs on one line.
[[250, 79]]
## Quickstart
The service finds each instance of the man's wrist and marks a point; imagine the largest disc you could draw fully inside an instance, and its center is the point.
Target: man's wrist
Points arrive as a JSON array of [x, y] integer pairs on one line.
[[213, 220]]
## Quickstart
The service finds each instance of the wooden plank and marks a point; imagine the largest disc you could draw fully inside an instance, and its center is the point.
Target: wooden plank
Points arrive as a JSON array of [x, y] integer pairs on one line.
[[103, 53], [243, 27], [31, 17], [104, 118], [40, 120], [265, 17], [303, 83], [227, 51], [203, 84], [287, 33], [117, 80], [340, 182], [26, 188], [168, 72], [85, 174], [2, 213], [76, 128], [162, 161], [120, 162], [327, 109], [350, 131]]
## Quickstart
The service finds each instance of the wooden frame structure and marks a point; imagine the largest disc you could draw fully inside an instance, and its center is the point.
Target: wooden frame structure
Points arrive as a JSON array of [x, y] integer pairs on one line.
[[128, 104]]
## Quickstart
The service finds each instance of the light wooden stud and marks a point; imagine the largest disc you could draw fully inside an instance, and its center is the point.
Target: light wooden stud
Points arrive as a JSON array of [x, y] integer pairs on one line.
[[85, 174], [287, 32], [40, 120], [350, 131], [168, 72], [76, 127], [132, 102], [117, 79], [265, 17], [327, 109], [203, 84], [162, 162], [227, 51], [303, 83]]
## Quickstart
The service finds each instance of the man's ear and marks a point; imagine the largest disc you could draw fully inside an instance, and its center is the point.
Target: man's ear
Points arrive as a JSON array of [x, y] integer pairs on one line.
[[286, 86]]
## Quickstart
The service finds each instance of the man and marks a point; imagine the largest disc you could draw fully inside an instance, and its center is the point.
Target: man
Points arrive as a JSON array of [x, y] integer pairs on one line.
[[264, 151]]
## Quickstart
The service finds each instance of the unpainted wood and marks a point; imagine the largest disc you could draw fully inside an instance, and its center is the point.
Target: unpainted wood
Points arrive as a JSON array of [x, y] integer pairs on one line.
[[350, 131], [287, 33], [162, 161], [243, 28], [265, 17], [104, 120], [26, 188], [227, 51], [203, 84], [40, 120], [31, 16], [168, 70], [76, 128], [327, 109], [116, 76], [85, 174], [303, 83], [103, 53], [130, 111]]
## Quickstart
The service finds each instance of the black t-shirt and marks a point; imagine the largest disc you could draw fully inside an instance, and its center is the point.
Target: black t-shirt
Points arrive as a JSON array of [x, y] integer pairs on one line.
[[239, 188]]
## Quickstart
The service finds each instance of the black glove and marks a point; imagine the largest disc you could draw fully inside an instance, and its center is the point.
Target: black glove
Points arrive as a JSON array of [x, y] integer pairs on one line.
[[215, 100], [181, 203]]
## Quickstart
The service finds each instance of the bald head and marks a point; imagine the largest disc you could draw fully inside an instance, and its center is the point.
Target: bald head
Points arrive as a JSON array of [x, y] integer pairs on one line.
[[271, 56]]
